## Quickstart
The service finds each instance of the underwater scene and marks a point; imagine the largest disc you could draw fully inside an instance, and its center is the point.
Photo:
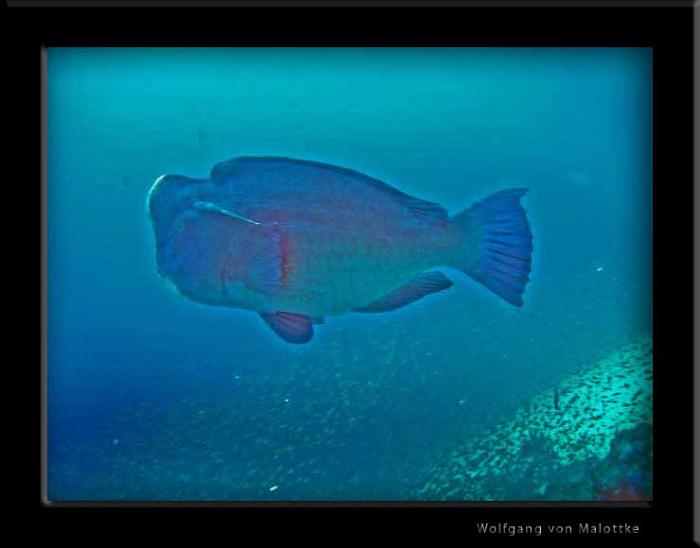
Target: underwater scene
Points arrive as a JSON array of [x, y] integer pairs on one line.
[[348, 274]]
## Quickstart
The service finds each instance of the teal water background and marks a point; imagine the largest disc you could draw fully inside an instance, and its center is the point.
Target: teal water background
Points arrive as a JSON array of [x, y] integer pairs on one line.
[[154, 397]]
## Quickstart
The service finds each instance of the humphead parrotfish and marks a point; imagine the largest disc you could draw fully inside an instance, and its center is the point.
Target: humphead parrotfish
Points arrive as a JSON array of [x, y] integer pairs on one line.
[[296, 241]]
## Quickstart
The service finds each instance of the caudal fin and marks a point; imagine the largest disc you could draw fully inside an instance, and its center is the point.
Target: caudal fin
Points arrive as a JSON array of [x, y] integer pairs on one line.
[[497, 245]]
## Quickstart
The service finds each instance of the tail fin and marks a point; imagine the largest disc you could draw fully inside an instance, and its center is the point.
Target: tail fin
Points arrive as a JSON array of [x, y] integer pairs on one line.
[[497, 244]]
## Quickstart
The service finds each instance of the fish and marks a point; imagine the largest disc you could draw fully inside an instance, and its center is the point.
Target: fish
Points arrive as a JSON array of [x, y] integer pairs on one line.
[[296, 241]]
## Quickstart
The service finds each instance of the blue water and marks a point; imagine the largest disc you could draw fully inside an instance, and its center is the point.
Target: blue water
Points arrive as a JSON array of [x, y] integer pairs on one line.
[[155, 397]]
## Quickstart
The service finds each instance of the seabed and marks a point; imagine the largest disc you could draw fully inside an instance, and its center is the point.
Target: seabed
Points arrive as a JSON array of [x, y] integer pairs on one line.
[[588, 438]]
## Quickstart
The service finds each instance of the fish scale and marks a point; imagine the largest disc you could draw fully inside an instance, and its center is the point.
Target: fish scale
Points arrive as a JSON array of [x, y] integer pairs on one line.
[[361, 271]]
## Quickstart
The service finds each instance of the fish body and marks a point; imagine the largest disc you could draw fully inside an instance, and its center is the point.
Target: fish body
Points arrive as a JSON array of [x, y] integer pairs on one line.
[[297, 241]]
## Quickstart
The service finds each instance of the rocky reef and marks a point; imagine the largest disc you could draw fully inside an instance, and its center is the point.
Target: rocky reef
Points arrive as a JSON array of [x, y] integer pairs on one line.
[[587, 438]]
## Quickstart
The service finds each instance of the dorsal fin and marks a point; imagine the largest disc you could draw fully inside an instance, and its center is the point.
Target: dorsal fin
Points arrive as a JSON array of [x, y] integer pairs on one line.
[[421, 208]]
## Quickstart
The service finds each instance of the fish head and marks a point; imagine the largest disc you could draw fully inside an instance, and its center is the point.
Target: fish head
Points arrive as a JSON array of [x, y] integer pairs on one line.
[[169, 196], [178, 234], [201, 250]]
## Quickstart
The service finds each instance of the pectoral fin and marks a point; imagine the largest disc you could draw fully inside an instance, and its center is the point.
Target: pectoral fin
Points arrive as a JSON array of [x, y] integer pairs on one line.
[[293, 328], [425, 284]]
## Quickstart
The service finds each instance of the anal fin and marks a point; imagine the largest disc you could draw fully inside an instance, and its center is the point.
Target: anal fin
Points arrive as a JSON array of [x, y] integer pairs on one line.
[[293, 328], [425, 284]]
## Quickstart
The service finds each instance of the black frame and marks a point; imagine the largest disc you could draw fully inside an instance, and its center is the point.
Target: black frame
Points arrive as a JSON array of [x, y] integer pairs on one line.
[[668, 31]]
